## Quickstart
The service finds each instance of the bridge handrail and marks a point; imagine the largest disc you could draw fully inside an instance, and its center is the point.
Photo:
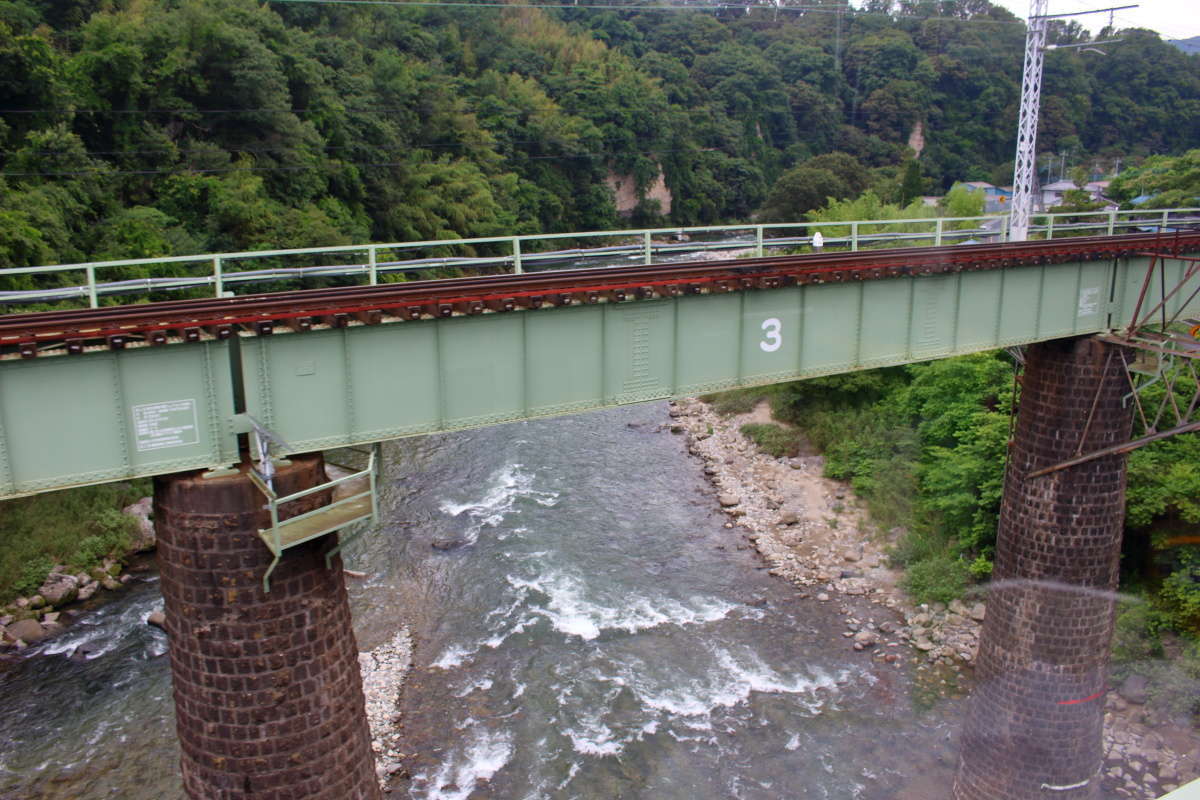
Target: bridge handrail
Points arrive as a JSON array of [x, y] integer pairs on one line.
[[1108, 221]]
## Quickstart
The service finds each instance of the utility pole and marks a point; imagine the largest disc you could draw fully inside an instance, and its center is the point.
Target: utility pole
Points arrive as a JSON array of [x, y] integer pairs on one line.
[[1025, 168]]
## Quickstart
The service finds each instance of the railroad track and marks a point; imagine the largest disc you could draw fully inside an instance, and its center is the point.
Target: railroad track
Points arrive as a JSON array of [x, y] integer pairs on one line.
[[28, 335]]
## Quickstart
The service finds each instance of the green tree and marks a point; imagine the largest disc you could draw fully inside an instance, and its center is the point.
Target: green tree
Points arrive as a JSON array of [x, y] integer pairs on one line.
[[963, 201], [800, 190], [912, 185]]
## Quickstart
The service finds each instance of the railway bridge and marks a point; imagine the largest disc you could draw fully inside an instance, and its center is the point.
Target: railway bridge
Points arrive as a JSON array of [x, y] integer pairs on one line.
[[209, 395]]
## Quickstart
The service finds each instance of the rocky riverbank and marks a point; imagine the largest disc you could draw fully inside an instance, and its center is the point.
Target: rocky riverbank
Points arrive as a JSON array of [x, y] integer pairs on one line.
[[47, 612], [814, 532]]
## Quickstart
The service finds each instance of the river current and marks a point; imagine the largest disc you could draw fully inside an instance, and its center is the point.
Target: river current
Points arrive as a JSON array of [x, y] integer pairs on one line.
[[585, 627]]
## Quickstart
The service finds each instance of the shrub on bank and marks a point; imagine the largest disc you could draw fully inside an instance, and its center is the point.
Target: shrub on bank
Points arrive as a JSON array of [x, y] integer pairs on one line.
[[936, 579], [774, 440], [737, 401]]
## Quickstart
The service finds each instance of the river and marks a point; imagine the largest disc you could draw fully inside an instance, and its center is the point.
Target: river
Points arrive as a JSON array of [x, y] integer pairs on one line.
[[585, 626]]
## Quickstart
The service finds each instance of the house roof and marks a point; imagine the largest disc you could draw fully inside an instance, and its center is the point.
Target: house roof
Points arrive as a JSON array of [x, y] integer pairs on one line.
[[1059, 186]]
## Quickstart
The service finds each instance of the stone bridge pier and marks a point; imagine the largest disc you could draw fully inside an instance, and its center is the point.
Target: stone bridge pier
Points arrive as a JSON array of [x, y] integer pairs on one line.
[[268, 696], [1034, 724]]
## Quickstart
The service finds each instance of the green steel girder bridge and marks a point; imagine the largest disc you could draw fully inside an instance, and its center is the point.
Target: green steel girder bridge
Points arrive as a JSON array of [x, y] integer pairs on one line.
[[264, 663], [102, 394]]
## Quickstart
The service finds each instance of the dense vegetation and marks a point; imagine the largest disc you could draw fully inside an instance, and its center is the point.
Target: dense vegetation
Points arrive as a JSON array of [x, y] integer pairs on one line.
[[1171, 181], [150, 127]]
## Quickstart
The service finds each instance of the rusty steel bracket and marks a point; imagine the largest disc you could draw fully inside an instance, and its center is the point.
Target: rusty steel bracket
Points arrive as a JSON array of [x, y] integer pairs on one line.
[[1165, 394], [1160, 357], [1166, 397]]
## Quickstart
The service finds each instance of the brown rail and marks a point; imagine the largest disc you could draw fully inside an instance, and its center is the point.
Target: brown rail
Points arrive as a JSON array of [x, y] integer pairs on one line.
[[190, 320]]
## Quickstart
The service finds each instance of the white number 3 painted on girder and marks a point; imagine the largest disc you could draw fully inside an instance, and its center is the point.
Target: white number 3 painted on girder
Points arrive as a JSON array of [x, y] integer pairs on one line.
[[774, 340]]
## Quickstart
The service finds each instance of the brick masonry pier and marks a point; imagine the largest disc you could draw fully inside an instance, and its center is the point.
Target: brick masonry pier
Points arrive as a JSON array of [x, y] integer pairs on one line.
[[268, 697], [1034, 724]]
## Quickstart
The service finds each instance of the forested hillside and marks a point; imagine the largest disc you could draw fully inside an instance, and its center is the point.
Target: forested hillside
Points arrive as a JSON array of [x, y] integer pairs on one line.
[[156, 127]]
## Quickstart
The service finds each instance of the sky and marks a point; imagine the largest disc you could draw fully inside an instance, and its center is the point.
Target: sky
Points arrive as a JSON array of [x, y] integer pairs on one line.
[[1173, 19]]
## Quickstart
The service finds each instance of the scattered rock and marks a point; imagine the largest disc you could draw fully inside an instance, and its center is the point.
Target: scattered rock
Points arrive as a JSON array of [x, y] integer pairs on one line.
[[866, 638], [26, 630], [59, 589], [87, 590], [383, 670], [823, 597], [728, 500], [37, 600], [789, 517], [977, 612], [110, 583], [143, 512], [1135, 689], [158, 619]]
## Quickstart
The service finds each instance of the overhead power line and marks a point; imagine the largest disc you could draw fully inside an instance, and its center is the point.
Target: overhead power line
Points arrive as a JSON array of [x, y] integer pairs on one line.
[[146, 111], [499, 143], [303, 167], [638, 6]]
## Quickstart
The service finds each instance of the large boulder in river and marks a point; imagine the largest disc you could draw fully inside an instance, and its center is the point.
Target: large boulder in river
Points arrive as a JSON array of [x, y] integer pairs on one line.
[[59, 589], [143, 513], [448, 543]]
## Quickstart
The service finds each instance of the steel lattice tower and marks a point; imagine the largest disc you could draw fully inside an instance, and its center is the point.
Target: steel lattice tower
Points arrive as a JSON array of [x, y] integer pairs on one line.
[[1025, 169]]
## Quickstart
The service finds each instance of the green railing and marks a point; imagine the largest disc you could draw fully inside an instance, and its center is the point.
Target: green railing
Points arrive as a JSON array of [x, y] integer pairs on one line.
[[221, 272]]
